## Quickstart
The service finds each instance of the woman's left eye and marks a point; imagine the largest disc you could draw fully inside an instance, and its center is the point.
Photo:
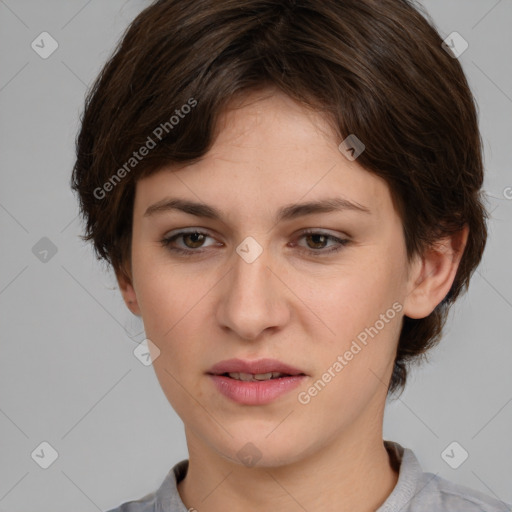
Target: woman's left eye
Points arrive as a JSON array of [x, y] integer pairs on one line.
[[320, 238], [318, 241]]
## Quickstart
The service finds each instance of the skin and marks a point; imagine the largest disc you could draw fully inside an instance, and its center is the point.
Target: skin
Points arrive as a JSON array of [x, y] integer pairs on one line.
[[288, 304]]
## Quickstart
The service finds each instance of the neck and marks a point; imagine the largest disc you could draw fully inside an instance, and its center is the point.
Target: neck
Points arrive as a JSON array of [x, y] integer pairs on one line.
[[342, 475]]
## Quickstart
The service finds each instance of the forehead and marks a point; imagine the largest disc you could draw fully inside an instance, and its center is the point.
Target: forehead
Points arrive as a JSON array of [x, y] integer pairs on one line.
[[271, 120], [268, 151]]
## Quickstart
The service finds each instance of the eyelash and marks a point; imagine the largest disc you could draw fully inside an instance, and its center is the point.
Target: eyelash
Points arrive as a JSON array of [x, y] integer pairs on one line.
[[166, 242]]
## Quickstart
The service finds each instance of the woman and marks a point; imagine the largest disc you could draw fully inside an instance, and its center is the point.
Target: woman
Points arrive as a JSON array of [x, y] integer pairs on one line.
[[289, 194]]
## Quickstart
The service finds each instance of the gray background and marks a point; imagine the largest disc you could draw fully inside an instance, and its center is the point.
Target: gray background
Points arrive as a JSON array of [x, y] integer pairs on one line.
[[68, 375]]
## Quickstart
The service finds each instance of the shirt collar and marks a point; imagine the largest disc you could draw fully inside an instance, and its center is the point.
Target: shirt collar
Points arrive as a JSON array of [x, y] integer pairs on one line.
[[409, 470]]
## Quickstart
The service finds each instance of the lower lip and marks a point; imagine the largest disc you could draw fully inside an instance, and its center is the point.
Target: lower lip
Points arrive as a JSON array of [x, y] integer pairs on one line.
[[255, 393]]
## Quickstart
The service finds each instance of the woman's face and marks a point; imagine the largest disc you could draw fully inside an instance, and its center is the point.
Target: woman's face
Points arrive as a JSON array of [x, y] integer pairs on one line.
[[251, 286]]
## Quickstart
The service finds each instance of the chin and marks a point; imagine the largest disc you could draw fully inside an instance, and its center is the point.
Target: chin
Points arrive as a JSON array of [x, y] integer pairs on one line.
[[259, 451]]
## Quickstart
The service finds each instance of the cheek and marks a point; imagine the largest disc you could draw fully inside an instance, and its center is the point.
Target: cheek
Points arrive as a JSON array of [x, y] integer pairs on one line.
[[173, 315], [353, 298], [164, 291], [170, 310], [364, 320]]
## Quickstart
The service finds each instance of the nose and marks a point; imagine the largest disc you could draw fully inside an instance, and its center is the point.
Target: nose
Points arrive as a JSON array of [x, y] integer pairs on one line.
[[253, 298]]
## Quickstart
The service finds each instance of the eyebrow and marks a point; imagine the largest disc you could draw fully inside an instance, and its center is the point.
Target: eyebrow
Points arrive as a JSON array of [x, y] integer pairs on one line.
[[288, 212]]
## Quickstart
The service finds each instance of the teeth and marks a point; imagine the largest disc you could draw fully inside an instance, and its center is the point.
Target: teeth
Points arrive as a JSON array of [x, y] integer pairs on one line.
[[258, 376]]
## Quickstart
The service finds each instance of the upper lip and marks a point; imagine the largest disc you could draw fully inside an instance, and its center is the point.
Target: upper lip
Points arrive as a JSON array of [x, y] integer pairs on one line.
[[254, 367]]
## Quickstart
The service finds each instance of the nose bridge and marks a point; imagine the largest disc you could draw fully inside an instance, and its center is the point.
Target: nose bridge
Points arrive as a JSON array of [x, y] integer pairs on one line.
[[251, 272], [252, 300]]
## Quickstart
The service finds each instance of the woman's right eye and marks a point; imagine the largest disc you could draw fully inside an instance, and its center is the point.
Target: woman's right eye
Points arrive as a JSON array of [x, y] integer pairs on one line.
[[196, 239]]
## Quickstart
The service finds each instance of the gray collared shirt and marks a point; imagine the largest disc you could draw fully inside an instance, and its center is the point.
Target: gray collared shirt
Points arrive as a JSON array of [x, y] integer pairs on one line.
[[415, 491]]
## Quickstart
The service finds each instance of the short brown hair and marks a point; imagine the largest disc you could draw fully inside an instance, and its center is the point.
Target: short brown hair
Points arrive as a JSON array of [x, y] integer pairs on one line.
[[375, 68]]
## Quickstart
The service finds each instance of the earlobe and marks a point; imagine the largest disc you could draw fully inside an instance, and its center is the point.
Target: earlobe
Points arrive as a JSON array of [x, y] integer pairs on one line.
[[432, 274], [128, 292]]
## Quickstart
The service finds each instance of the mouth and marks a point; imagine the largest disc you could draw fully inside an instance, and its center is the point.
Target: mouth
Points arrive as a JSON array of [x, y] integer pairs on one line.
[[255, 392], [259, 370], [258, 377], [255, 382]]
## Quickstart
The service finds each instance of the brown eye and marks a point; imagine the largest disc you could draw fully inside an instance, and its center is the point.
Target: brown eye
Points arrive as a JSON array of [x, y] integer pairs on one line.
[[318, 239], [192, 241], [197, 239], [316, 243]]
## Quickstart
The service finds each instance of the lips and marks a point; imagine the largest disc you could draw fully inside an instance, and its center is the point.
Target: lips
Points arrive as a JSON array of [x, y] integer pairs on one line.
[[260, 366]]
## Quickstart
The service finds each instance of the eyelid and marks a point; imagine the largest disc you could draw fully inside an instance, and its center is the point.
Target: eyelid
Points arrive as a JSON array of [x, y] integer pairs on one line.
[[322, 231]]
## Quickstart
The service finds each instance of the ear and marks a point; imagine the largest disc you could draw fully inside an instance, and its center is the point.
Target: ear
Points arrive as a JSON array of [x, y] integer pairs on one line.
[[431, 275], [124, 280]]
